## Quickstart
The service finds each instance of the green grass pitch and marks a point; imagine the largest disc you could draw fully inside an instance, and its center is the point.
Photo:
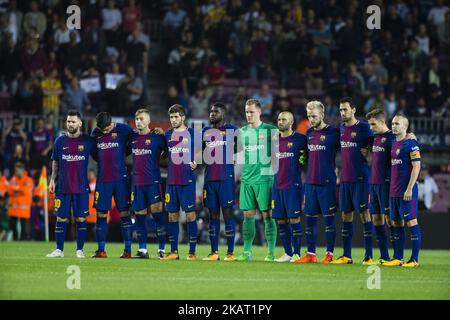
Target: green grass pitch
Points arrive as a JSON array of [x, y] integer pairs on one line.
[[25, 273]]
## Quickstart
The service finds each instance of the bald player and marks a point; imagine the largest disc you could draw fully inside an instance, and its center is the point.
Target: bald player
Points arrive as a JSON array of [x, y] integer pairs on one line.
[[405, 169], [287, 189]]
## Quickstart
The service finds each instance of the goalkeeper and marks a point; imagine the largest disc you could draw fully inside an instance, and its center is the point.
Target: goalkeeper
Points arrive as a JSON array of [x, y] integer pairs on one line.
[[257, 178]]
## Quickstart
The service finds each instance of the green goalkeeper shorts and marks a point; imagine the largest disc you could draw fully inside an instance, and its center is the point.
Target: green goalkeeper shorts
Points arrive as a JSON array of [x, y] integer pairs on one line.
[[255, 196]]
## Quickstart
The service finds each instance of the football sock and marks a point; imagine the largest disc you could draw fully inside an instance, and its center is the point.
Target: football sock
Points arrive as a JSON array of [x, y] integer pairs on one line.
[[161, 223], [127, 226], [381, 234], [141, 226], [60, 234], [400, 241], [81, 234], [330, 231], [214, 233], [101, 232], [311, 233], [192, 231], [368, 238], [230, 232], [286, 237], [271, 234], [296, 237], [174, 230], [415, 241], [347, 236], [249, 232]]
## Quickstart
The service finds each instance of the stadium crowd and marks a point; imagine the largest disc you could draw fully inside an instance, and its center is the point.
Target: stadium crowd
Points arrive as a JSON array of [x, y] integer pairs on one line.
[[281, 52]]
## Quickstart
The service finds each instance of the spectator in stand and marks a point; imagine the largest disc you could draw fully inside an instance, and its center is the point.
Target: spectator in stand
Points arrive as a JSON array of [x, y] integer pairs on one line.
[[18, 156], [191, 76], [20, 190], [265, 97], [259, 56], [131, 16], [436, 100], [424, 41], [50, 126], [428, 190], [444, 32], [215, 71], [35, 20], [62, 34], [10, 58], [14, 18], [219, 95], [51, 91], [433, 76], [174, 18], [198, 105], [282, 102], [174, 98], [112, 20], [71, 54], [131, 88], [34, 59], [416, 58], [38, 146], [76, 98], [323, 39], [314, 72], [436, 15], [15, 137], [94, 39]]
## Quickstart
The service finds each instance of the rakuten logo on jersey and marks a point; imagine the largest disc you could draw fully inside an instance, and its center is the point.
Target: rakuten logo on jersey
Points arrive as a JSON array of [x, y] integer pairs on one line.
[[284, 155], [107, 145], [377, 149], [141, 152], [316, 147], [348, 144], [178, 150], [254, 148], [395, 162], [71, 158], [214, 144]]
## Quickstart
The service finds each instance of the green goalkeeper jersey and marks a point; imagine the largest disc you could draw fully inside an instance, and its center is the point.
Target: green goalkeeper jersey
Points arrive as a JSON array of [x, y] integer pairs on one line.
[[257, 152]]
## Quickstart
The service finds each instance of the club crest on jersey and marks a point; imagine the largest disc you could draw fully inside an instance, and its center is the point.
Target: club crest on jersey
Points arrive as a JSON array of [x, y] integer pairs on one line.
[[185, 140], [397, 152], [353, 135], [289, 145], [383, 140], [147, 142], [114, 135], [80, 147], [322, 138], [223, 133]]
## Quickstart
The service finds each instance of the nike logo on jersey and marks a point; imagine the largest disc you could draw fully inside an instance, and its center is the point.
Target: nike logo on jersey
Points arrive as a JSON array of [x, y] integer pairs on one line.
[[156, 197], [296, 212], [230, 201], [65, 148], [190, 206]]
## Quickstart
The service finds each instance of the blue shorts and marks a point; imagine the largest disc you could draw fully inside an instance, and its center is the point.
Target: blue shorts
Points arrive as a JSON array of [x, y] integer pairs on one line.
[[218, 194], [320, 199], [353, 196], [78, 201], [287, 203], [180, 196], [403, 210], [379, 198], [144, 196], [104, 191]]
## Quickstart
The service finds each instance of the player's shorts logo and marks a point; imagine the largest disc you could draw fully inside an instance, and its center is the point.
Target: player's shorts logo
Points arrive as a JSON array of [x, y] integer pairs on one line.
[[273, 204], [132, 196], [57, 204], [167, 198], [80, 147], [204, 194]]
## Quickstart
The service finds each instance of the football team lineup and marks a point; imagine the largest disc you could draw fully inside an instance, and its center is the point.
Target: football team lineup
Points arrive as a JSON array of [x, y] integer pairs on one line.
[[383, 194]]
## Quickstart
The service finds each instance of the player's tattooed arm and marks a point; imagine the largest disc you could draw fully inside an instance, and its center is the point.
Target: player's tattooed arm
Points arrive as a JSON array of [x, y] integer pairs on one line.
[[51, 186]]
